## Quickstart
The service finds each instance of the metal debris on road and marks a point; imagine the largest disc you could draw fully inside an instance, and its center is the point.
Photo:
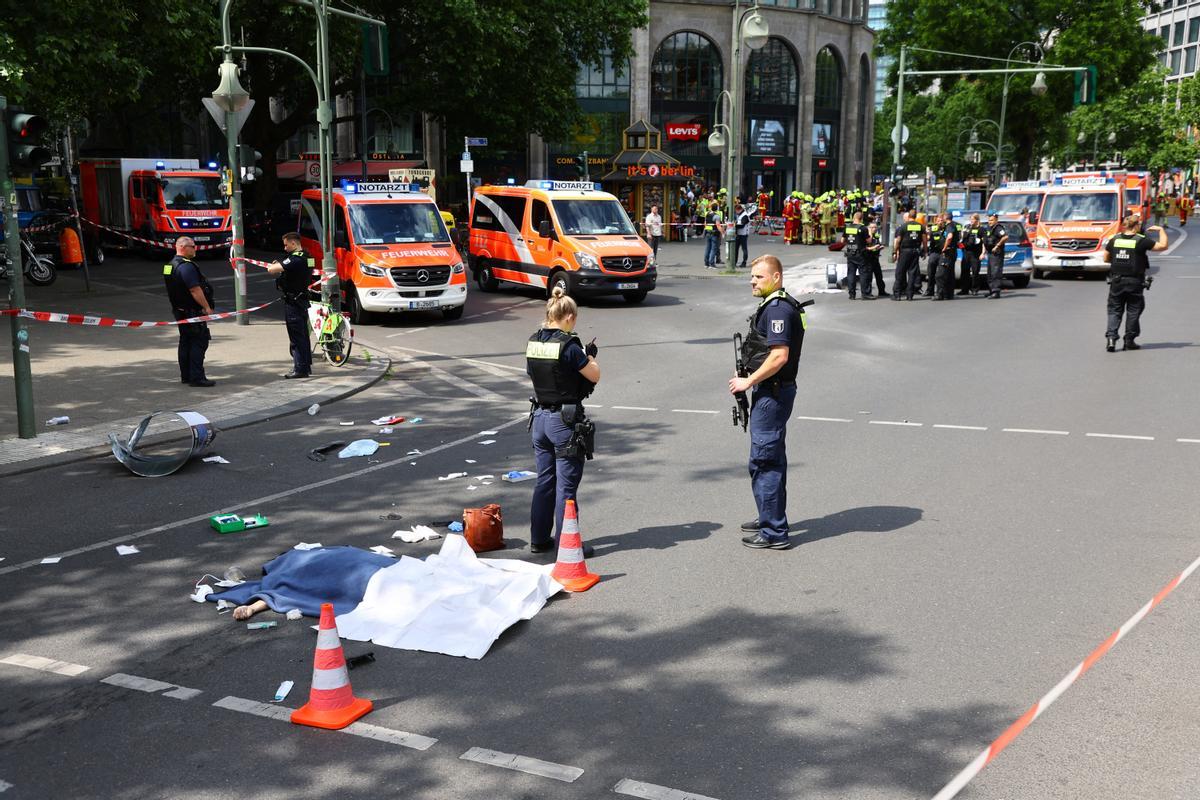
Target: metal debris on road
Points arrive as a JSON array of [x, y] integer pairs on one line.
[[319, 453], [156, 466]]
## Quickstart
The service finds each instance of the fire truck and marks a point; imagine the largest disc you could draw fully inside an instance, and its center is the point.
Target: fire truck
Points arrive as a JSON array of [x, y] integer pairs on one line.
[[154, 200]]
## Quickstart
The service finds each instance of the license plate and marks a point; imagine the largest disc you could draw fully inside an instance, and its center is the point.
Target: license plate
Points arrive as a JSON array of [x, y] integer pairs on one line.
[[200, 239], [625, 286], [421, 305], [1067, 262]]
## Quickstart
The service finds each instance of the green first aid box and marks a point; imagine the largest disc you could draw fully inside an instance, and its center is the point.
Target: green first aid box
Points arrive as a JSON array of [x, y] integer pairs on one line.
[[232, 523]]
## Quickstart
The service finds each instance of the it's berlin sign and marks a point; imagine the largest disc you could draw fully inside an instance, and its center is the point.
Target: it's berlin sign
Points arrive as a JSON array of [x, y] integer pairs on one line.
[[657, 171]]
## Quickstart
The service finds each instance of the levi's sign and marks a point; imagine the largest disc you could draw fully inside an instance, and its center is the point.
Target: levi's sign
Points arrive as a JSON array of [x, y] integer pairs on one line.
[[684, 131]]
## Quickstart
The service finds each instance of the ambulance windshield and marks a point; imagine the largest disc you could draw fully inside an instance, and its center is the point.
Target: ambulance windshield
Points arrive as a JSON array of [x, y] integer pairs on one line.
[[592, 217], [194, 192], [397, 223], [1083, 206], [1002, 203]]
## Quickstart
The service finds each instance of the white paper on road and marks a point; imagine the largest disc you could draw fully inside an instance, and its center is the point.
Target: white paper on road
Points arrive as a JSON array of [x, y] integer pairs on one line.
[[307, 546], [488, 441], [452, 602], [214, 460], [418, 533], [126, 550], [51, 560], [383, 551], [453, 476]]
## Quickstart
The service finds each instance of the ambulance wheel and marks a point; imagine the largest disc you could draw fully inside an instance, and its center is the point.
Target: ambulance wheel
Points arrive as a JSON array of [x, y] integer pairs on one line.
[[633, 298], [450, 314], [557, 279], [354, 310], [485, 279], [98, 255], [1040, 273]]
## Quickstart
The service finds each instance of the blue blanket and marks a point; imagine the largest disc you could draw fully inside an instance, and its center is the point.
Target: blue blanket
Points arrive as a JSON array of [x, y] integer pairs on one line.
[[305, 579]]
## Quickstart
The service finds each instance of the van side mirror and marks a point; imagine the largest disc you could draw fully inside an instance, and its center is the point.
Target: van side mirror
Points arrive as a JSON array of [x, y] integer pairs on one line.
[[546, 229], [1033, 218], [340, 239]]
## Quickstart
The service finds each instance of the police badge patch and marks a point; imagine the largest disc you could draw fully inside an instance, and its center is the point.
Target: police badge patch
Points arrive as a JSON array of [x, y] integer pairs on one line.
[[776, 326]]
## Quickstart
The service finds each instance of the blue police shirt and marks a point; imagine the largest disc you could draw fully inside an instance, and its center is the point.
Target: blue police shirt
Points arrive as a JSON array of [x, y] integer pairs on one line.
[[781, 325], [188, 273]]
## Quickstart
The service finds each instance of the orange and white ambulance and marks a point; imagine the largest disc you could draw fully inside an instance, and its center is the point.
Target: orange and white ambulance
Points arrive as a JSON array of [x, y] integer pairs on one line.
[[1019, 197], [1137, 195], [393, 251], [558, 233], [1080, 213]]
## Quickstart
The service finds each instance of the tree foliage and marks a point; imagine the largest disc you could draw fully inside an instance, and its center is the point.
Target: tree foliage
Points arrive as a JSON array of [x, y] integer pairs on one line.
[[1106, 33]]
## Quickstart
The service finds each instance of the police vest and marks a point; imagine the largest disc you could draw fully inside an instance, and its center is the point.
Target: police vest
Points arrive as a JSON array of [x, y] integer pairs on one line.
[[554, 383], [936, 236], [755, 348], [181, 298], [911, 236], [855, 241], [972, 241], [994, 235], [1127, 260]]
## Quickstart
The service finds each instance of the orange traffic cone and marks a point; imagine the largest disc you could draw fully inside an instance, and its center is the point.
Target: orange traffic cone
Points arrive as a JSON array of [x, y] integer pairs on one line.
[[570, 570], [331, 703]]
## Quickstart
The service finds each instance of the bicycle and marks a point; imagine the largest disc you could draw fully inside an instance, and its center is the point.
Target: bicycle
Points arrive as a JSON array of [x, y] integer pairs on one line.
[[335, 335]]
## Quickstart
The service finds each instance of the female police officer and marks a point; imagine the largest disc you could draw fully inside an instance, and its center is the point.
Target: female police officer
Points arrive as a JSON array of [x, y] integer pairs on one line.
[[564, 372]]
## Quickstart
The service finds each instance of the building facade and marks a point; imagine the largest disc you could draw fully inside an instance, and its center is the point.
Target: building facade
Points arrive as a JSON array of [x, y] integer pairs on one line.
[[1178, 25], [877, 21]]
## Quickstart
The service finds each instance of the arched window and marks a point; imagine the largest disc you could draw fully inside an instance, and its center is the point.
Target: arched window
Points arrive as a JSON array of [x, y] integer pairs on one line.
[[828, 75], [827, 118], [771, 75], [687, 67], [866, 80]]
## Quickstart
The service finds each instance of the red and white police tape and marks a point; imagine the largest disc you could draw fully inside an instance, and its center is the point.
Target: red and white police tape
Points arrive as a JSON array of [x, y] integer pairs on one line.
[[164, 245], [111, 322], [975, 767]]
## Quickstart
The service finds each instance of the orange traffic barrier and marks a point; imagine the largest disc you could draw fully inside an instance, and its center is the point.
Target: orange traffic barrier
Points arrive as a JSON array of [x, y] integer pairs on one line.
[[331, 703], [571, 570]]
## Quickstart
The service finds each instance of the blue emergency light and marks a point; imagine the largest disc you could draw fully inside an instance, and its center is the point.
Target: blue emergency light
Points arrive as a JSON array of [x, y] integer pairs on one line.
[[349, 186], [511, 181], [212, 165], [546, 185], [160, 165]]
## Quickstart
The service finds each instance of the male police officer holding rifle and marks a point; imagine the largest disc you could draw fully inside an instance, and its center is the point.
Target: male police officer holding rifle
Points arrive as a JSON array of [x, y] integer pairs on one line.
[[772, 354]]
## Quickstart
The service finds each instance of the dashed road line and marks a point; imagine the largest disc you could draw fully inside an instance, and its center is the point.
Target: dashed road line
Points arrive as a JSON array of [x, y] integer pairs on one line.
[[150, 685], [961, 427], [533, 766], [1035, 430], [44, 664], [268, 710], [1120, 436], [905, 424], [650, 791], [823, 419], [1189, 441], [363, 729], [632, 408], [692, 411]]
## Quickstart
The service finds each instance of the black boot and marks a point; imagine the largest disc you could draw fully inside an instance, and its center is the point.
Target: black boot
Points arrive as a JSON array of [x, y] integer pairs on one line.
[[1130, 344], [1111, 344]]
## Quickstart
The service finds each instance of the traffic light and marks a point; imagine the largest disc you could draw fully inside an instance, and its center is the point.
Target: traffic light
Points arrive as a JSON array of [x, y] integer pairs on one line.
[[581, 164], [1085, 87], [248, 160], [24, 131]]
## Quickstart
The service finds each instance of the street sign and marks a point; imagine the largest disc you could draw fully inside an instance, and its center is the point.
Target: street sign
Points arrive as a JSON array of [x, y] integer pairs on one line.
[[477, 141], [466, 165], [313, 172], [218, 114], [903, 137]]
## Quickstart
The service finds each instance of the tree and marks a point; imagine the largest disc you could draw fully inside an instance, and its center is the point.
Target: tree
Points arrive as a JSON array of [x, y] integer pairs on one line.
[[1106, 33]]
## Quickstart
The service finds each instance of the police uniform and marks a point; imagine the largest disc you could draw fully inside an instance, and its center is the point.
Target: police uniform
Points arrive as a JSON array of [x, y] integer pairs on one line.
[[553, 359], [293, 285], [871, 250], [854, 235], [947, 253], [1128, 265], [995, 234], [936, 238], [777, 321], [972, 239], [908, 265], [181, 276]]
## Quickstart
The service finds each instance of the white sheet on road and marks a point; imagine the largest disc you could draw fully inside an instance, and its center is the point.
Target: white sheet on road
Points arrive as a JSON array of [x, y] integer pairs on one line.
[[452, 602]]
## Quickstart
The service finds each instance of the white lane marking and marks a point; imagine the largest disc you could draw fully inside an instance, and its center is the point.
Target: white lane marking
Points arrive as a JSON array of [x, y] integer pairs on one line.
[[650, 791], [260, 501], [962, 427], [632, 408], [1180, 239], [533, 766], [1120, 436], [890, 422], [268, 710], [380, 734], [1189, 441], [1035, 430], [692, 411], [44, 664], [150, 685], [823, 419], [475, 361]]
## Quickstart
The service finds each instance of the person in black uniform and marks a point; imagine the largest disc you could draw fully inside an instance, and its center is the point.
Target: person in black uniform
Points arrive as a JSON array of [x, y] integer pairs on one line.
[[564, 373], [871, 251], [906, 252], [935, 242], [972, 239], [293, 275], [771, 351], [947, 254], [1128, 265], [191, 296], [854, 236], [994, 241]]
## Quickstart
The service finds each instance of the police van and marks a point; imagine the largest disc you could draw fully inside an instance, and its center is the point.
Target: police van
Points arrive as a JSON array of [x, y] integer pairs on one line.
[[558, 233], [393, 251]]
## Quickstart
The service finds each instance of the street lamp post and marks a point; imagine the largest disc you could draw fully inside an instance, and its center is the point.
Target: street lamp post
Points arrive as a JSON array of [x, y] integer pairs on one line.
[[232, 98], [750, 30], [1039, 88]]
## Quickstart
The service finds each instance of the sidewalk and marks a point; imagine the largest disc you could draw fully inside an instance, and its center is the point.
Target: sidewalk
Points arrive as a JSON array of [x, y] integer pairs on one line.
[[108, 379], [804, 265]]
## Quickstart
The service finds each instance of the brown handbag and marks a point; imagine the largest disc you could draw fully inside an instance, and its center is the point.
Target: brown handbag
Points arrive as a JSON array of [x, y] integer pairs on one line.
[[484, 528]]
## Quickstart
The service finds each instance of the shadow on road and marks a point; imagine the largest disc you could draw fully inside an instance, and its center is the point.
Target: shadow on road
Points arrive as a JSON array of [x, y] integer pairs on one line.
[[868, 519]]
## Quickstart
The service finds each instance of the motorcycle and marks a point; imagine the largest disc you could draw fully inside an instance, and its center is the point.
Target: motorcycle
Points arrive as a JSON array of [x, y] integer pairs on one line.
[[39, 269]]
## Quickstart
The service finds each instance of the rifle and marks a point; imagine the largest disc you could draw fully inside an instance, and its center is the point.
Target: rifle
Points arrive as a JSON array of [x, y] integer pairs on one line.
[[741, 409]]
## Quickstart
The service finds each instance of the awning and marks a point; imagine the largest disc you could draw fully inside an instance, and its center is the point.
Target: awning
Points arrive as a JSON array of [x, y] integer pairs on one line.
[[295, 170]]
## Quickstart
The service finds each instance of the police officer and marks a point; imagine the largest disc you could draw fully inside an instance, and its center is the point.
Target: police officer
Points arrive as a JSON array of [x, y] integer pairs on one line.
[[1128, 265], [772, 354], [906, 253], [972, 239], [293, 275], [854, 237], [564, 372], [871, 256], [994, 241], [191, 296], [948, 253], [936, 240]]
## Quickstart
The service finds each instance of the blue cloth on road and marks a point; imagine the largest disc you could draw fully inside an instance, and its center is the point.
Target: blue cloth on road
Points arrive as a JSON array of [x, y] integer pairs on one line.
[[305, 579]]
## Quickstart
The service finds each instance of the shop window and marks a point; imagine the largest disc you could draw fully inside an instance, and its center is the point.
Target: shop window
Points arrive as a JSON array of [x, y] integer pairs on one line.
[[771, 75], [687, 66]]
